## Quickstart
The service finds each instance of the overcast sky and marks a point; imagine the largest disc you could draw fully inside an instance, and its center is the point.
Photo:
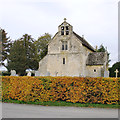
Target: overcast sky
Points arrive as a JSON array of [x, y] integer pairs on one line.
[[97, 20]]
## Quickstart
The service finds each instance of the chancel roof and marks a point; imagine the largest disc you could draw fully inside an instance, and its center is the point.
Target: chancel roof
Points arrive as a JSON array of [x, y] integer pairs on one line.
[[96, 58]]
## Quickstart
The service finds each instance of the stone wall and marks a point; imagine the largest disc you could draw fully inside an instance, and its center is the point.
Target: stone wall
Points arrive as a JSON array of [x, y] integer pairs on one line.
[[43, 66], [75, 57], [94, 71], [70, 68]]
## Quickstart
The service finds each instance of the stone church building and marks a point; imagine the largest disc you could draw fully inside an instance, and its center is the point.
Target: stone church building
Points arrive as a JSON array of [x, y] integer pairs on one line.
[[71, 55]]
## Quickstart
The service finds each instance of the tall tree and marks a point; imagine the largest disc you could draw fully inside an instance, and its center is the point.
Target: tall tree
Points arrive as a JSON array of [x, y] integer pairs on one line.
[[23, 55], [5, 45], [17, 58], [30, 51], [42, 45]]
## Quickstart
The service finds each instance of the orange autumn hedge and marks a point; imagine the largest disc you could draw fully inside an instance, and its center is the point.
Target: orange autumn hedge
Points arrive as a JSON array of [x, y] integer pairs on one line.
[[70, 89]]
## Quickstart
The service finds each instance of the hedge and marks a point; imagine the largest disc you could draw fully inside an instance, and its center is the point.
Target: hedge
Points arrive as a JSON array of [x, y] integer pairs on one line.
[[70, 89]]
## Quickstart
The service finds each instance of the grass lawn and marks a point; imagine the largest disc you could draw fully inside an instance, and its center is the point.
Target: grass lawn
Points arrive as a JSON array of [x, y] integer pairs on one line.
[[63, 103]]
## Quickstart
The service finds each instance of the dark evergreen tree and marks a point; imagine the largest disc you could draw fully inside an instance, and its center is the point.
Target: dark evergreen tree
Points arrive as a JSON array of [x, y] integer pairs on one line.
[[17, 58], [23, 55], [5, 43], [113, 68], [31, 52]]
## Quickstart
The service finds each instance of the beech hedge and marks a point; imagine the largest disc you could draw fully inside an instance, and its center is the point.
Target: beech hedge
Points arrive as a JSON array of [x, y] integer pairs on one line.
[[70, 89]]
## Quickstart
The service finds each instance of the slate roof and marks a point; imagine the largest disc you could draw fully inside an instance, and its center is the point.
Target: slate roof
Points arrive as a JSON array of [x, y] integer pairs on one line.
[[96, 58], [84, 42]]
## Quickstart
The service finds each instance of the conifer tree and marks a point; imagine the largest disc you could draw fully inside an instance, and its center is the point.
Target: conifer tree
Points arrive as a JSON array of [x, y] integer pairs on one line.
[[17, 58], [5, 43], [23, 55], [30, 51]]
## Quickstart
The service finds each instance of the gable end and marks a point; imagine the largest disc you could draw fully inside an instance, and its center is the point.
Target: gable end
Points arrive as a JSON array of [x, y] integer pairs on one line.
[[84, 42]]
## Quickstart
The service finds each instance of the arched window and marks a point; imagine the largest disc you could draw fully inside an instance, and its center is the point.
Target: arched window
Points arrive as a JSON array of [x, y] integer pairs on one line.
[[67, 30], [63, 60], [64, 45], [62, 30]]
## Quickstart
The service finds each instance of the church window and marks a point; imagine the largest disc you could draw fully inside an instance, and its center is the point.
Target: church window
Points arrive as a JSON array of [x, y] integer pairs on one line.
[[63, 60], [67, 30], [62, 30], [64, 45]]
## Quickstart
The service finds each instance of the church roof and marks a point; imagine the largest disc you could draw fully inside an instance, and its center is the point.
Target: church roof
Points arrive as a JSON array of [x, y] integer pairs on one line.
[[84, 42], [96, 58]]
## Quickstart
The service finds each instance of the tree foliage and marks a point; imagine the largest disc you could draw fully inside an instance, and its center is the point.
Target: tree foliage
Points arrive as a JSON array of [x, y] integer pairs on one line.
[[31, 52], [113, 68], [101, 49], [5, 46], [23, 55], [17, 58], [42, 45]]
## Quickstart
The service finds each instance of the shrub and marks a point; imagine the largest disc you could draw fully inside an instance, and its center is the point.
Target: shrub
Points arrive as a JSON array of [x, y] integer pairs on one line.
[[70, 89], [5, 73]]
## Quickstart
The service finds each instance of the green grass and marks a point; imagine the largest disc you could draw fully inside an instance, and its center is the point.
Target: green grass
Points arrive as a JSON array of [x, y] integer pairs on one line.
[[63, 103]]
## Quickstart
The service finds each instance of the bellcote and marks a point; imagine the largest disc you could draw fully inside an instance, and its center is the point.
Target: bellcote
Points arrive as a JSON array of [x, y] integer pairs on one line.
[[65, 28]]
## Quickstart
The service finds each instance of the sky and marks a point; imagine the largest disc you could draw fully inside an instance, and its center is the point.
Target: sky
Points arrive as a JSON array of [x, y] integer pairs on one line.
[[97, 20]]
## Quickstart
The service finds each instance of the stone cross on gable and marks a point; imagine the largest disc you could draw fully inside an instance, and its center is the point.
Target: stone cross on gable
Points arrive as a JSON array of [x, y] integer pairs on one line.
[[116, 71], [65, 19]]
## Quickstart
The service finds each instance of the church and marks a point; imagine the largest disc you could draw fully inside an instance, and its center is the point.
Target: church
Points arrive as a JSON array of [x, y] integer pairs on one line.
[[71, 55]]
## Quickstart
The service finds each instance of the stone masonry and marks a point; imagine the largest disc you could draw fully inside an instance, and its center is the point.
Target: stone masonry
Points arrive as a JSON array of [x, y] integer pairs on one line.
[[71, 55]]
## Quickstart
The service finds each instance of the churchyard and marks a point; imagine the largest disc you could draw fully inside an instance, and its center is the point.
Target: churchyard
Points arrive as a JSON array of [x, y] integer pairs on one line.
[[67, 70]]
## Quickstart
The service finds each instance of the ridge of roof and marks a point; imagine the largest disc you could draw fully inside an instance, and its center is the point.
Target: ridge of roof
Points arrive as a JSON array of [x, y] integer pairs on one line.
[[84, 42]]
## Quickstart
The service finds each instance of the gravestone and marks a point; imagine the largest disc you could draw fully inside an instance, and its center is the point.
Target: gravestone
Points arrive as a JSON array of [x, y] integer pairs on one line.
[[29, 73], [47, 74], [37, 73], [81, 75], [56, 73], [106, 73], [13, 73]]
